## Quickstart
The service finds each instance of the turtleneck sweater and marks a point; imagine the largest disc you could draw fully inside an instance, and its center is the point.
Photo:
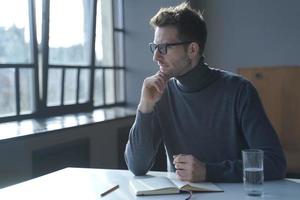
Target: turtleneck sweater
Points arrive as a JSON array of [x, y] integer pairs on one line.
[[212, 115]]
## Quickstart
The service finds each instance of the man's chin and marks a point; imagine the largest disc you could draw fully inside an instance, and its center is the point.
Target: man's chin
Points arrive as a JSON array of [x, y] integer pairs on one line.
[[163, 70], [166, 73]]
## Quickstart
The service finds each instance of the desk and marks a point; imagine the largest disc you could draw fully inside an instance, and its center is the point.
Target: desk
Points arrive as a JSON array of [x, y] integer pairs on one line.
[[86, 184]]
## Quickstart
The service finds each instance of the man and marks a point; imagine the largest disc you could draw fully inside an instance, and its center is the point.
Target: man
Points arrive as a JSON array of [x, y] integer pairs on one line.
[[203, 116]]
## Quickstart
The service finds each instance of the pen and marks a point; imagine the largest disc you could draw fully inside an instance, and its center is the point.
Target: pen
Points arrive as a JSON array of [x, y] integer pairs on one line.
[[110, 190]]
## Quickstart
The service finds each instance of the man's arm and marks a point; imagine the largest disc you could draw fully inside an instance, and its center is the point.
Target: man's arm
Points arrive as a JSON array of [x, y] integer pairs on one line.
[[142, 146], [259, 134], [144, 136]]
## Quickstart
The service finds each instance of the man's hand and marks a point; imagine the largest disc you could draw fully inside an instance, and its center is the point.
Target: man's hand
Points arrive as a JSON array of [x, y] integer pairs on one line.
[[189, 168], [153, 88]]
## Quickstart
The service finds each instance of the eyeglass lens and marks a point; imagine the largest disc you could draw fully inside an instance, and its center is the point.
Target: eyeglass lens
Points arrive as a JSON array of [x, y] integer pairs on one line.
[[162, 48]]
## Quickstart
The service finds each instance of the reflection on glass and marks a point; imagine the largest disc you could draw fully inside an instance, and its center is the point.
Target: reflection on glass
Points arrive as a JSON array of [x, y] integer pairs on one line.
[[14, 32], [9, 130], [120, 95], [70, 121], [7, 92], [69, 32], [26, 91], [84, 85], [104, 34], [98, 115], [109, 87], [54, 124], [54, 87], [26, 127], [82, 119], [70, 86], [98, 88]]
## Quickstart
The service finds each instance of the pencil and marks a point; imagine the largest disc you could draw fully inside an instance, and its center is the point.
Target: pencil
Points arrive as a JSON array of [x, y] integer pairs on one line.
[[110, 190]]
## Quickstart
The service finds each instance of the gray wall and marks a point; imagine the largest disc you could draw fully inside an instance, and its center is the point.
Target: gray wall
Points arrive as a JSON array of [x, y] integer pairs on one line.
[[242, 33], [252, 33]]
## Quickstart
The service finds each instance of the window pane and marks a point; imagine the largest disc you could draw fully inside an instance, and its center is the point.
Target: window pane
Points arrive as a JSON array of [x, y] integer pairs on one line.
[[7, 92], [70, 86], [69, 32], [119, 49], [54, 87], [14, 32], [104, 34], [98, 88], [109, 87], [26, 91], [120, 86], [84, 85]]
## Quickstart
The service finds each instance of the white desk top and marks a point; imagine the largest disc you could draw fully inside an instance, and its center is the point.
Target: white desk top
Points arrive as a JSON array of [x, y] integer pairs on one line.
[[87, 184]]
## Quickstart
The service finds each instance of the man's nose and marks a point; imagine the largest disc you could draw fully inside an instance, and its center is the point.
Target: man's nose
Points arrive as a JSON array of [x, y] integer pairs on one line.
[[157, 55]]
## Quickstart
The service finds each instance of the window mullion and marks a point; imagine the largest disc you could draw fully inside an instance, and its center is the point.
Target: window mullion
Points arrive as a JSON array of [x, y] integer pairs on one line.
[[62, 86], [92, 55], [32, 23], [45, 51], [17, 90], [78, 86]]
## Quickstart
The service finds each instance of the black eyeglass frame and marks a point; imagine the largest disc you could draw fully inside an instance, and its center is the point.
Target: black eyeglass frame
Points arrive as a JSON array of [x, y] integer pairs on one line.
[[163, 48]]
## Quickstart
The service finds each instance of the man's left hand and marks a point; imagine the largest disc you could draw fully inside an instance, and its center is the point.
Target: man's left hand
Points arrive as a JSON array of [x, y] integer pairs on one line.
[[189, 168]]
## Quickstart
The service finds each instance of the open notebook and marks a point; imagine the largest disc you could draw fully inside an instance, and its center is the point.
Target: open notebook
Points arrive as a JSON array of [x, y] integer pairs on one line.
[[156, 185]]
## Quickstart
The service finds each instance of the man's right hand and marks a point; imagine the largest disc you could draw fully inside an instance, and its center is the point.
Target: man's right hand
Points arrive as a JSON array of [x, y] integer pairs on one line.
[[153, 88]]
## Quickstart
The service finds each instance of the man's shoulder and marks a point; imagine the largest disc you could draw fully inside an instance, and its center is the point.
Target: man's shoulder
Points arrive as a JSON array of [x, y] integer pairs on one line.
[[231, 77]]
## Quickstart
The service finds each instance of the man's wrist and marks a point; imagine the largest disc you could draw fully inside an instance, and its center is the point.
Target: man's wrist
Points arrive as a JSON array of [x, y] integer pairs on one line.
[[145, 107]]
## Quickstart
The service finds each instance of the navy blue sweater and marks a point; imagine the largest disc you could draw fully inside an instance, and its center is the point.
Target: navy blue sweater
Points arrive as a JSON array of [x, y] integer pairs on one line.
[[213, 115]]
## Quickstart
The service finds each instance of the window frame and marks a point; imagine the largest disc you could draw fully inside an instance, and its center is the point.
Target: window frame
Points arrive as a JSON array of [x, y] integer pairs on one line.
[[41, 72], [33, 66]]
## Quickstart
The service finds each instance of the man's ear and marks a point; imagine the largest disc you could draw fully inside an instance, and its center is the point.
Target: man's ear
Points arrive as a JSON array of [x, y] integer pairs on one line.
[[193, 50]]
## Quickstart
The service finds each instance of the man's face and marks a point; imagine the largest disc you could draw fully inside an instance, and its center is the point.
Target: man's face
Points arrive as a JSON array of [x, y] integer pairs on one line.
[[176, 62]]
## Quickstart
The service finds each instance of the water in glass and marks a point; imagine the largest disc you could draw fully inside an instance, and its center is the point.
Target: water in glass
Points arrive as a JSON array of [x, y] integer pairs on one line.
[[253, 181]]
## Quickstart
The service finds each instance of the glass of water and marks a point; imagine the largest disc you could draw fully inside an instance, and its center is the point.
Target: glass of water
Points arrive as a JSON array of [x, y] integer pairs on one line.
[[253, 171]]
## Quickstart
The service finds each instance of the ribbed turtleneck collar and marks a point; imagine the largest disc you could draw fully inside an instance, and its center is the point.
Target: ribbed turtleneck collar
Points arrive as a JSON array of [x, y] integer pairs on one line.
[[196, 79]]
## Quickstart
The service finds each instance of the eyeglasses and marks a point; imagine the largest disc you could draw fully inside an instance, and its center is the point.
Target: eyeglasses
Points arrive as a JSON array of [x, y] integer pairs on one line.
[[163, 48]]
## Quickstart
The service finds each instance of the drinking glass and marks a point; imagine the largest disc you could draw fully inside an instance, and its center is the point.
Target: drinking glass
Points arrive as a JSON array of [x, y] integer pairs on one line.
[[253, 171]]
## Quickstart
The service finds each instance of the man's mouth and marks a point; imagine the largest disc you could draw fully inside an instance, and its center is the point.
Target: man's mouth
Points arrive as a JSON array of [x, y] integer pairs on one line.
[[161, 65]]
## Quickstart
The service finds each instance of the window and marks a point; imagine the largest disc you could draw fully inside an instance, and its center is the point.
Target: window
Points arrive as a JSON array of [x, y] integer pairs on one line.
[[17, 59], [60, 56]]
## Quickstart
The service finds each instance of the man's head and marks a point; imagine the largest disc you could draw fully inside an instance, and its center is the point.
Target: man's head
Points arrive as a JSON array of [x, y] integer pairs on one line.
[[189, 23], [180, 36]]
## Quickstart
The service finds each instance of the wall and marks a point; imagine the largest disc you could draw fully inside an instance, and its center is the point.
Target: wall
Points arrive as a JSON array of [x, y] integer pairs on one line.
[[16, 154], [243, 33]]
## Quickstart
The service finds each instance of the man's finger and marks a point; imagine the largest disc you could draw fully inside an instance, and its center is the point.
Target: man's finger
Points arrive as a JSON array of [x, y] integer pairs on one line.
[[182, 158], [181, 166], [182, 175]]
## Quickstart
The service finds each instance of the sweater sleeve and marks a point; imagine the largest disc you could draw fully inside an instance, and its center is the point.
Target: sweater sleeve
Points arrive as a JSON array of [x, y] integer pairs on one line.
[[142, 146], [259, 134]]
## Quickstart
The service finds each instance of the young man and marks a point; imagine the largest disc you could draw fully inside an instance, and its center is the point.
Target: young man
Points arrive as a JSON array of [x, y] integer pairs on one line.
[[203, 116]]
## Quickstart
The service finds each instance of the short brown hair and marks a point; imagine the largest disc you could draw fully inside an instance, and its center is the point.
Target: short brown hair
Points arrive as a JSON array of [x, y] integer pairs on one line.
[[188, 22]]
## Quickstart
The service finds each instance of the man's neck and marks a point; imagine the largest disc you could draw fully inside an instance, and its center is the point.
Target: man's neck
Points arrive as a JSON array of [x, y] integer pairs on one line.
[[199, 77]]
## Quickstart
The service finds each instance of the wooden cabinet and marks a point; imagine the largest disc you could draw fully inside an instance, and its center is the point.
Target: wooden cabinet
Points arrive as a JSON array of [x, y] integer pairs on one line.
[[279, 90]]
